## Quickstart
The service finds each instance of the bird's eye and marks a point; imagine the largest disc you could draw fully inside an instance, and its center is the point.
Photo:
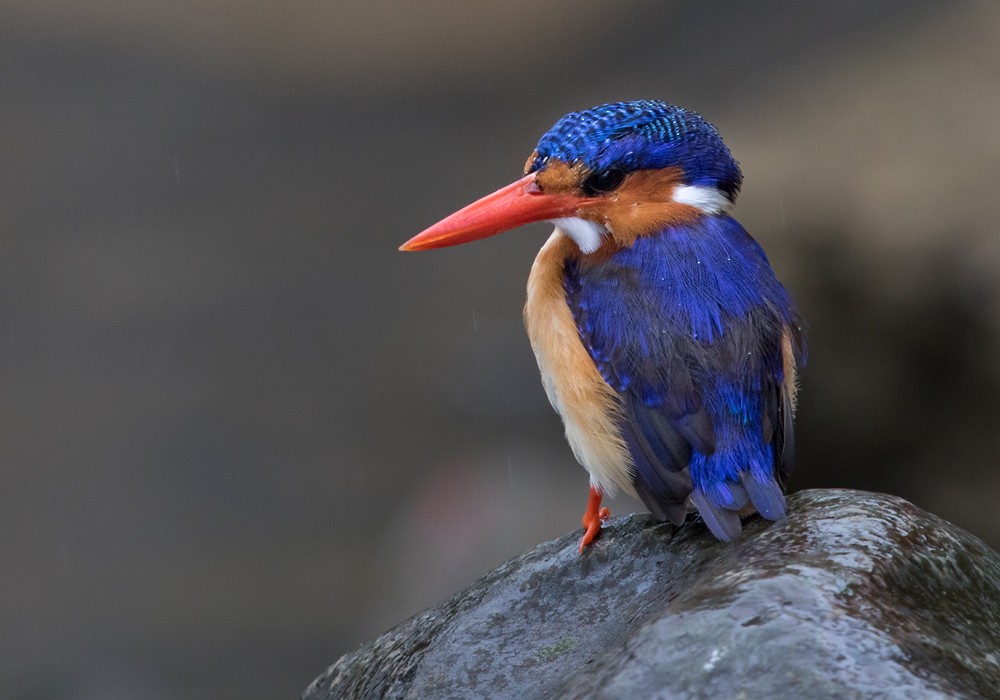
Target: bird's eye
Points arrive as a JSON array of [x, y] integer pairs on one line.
[[603, 181]]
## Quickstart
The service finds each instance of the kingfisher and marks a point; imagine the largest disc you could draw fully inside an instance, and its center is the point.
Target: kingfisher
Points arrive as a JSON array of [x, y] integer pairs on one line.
[[664, 339]]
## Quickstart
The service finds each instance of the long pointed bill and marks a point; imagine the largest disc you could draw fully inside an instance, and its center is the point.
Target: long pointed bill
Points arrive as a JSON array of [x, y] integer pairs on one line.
[[521, 202]]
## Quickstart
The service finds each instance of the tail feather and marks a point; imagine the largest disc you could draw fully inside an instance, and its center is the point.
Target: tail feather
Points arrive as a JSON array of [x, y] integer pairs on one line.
[[730, 495], [724, 524], [765, 494]]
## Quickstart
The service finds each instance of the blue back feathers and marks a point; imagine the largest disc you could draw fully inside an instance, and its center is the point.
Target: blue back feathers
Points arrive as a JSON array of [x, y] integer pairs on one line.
[[687, 327], [639, 135]]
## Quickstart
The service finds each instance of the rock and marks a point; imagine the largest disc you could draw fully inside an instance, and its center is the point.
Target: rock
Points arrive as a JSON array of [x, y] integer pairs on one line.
[[852, 595]]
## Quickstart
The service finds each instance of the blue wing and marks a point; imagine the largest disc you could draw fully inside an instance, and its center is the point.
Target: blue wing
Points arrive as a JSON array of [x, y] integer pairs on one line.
[[687, 326]]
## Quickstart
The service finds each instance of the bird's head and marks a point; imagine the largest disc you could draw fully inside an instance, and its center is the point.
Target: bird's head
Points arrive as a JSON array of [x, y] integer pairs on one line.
[[606, 176]]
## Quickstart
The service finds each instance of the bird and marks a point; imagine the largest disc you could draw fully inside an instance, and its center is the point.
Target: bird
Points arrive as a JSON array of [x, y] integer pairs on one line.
[[663, 337]]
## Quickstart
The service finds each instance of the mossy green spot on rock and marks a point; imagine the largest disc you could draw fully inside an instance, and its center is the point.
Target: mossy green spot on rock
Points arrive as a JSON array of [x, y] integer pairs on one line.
[[554, 651]]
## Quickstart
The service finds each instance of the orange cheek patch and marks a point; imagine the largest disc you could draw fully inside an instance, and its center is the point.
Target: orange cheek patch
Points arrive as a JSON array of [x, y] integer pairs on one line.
[[560, 177], [643, 205]]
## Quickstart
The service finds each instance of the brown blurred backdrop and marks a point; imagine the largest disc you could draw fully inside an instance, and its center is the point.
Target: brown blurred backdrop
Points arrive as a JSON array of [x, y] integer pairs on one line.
[[240, 433]]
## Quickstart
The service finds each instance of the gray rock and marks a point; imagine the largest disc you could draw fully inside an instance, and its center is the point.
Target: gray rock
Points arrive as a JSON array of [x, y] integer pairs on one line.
[[853, 595]]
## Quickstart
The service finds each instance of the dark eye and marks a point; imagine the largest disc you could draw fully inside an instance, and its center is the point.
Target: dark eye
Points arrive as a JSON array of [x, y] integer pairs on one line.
[[603, 181]]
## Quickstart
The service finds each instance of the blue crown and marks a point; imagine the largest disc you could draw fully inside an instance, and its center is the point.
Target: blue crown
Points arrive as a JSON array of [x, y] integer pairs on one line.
[[641, 135]]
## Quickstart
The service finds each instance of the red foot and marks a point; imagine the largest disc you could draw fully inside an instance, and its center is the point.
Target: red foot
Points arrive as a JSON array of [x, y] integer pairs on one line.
[[594, 518]]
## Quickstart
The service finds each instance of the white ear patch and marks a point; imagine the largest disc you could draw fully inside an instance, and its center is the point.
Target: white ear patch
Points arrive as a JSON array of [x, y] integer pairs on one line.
[[709, 199], [587, 235]]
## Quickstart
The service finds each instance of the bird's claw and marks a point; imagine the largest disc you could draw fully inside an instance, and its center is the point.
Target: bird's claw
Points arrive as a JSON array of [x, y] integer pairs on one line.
[[593, 519]]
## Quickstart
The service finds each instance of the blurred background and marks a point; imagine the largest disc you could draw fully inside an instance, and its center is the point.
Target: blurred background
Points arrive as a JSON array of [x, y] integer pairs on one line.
[[240, 433]]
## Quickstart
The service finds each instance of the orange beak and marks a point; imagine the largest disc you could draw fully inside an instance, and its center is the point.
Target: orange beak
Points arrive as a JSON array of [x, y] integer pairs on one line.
[[521, 202]]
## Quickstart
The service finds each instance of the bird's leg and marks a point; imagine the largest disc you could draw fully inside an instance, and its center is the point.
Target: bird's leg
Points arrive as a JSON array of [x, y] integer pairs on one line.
[[594, 518]]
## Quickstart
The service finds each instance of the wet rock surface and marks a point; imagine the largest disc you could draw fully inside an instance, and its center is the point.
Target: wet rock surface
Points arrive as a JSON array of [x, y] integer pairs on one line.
[[854, 594]]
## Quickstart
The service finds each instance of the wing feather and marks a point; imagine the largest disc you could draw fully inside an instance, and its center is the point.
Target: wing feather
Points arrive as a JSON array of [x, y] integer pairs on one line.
[[690, 331]]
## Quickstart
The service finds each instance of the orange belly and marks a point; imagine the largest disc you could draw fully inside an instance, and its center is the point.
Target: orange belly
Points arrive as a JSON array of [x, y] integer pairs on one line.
[[590, 409]]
